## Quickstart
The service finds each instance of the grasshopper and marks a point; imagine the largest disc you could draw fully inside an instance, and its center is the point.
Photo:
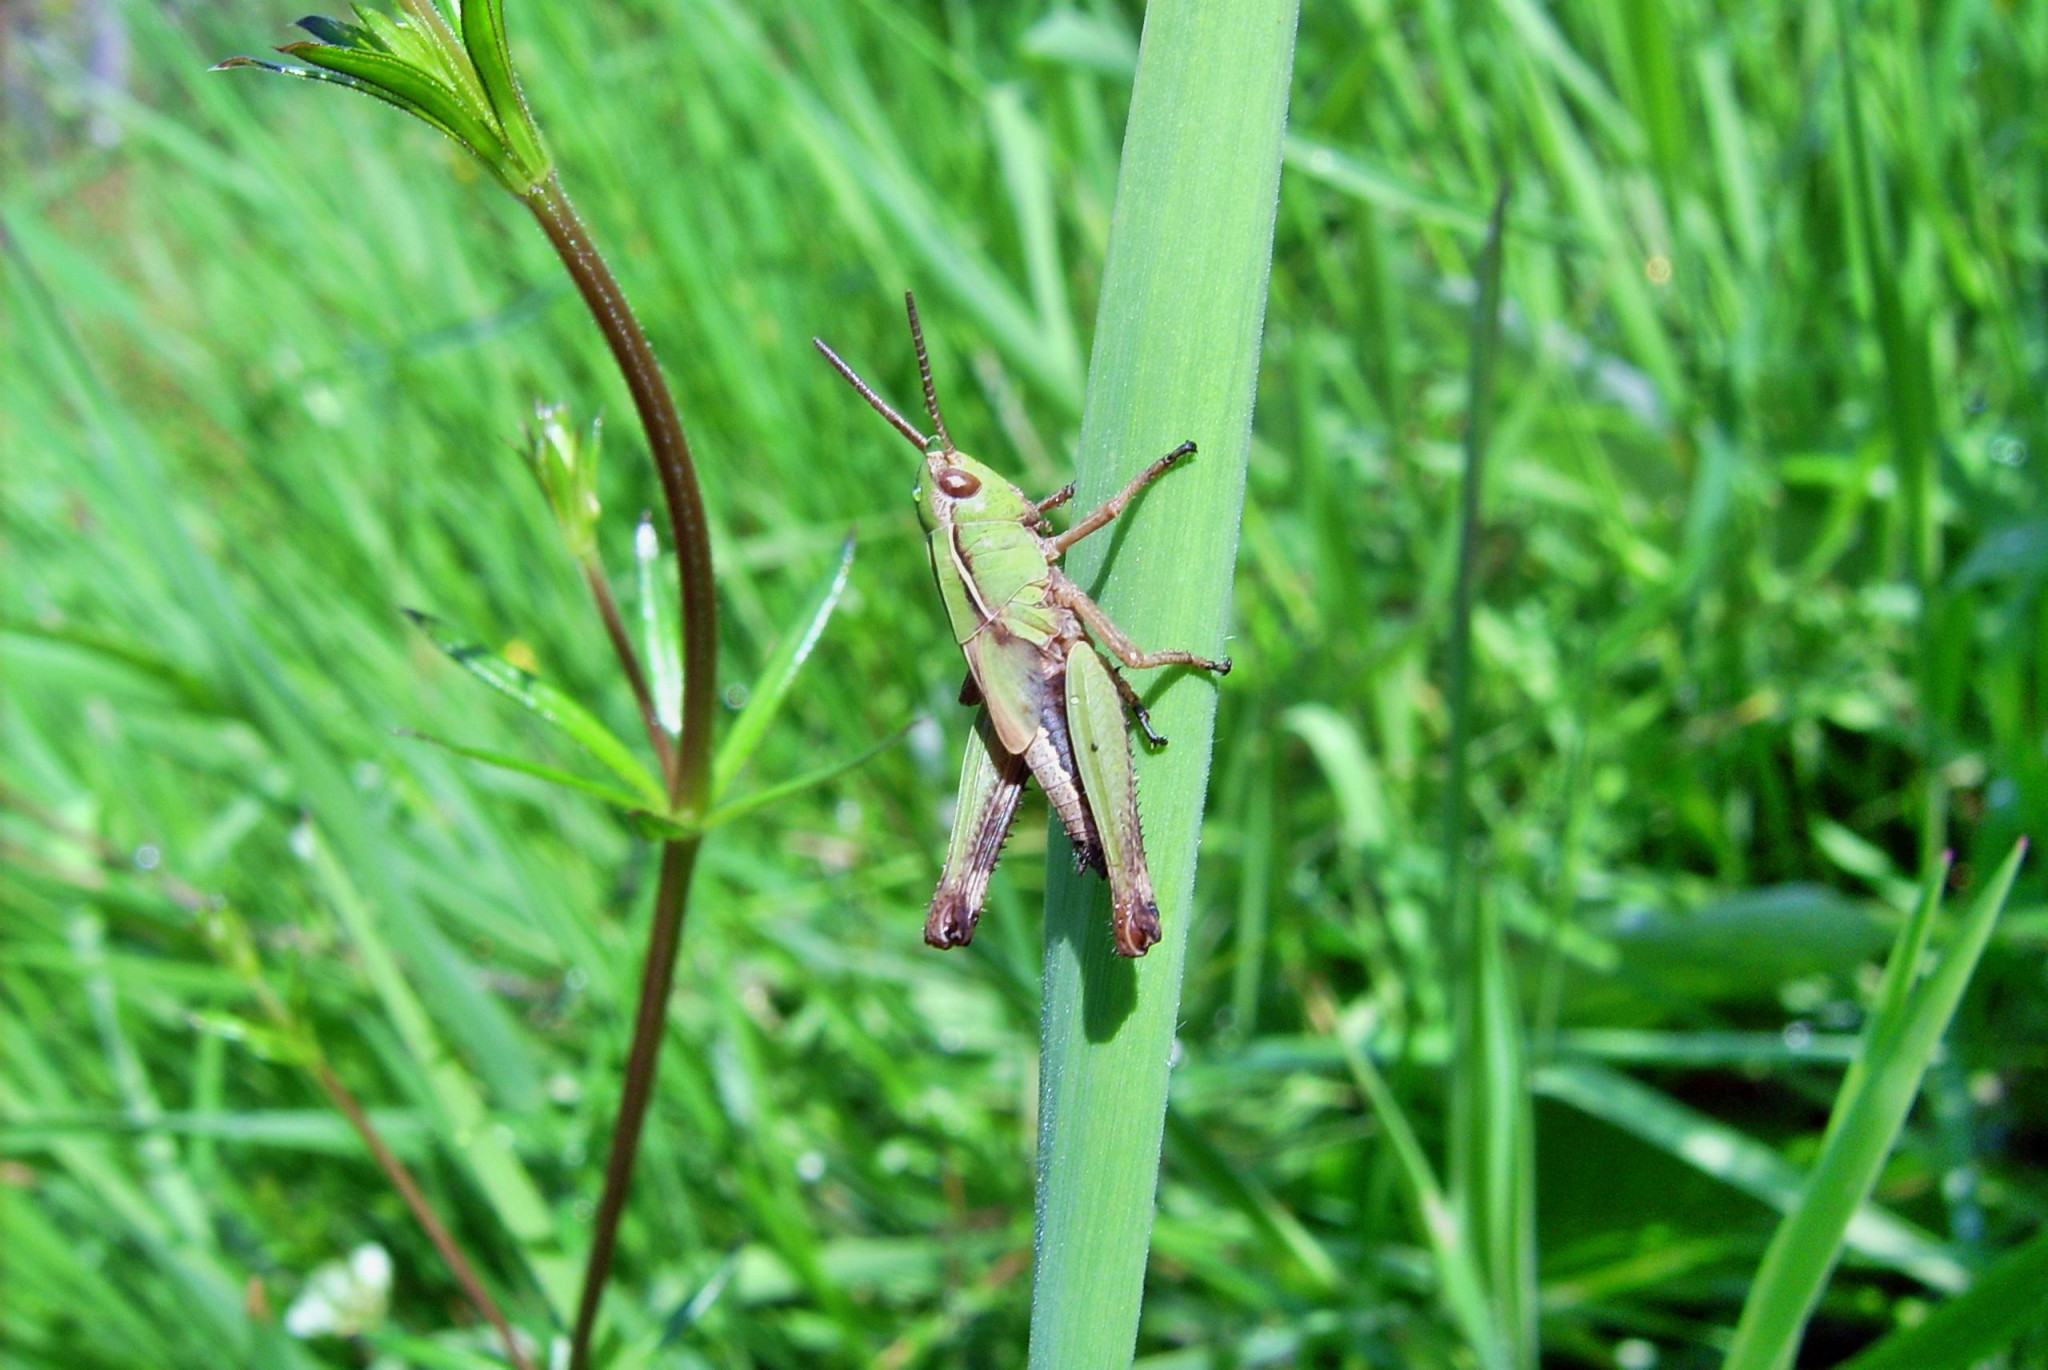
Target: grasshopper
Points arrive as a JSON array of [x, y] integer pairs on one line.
[[1050, 706]]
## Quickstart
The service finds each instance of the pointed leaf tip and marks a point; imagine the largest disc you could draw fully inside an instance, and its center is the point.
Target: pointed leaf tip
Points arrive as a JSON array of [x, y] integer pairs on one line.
[[549, 703], [490, 54], [778, 671], [325, 29]]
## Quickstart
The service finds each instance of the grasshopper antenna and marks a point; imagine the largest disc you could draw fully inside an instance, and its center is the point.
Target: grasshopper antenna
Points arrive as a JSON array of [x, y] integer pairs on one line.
[[881, 406], [924, 371]]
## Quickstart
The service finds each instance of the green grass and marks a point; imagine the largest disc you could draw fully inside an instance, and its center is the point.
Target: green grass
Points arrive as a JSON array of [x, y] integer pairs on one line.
[[1758, 568]]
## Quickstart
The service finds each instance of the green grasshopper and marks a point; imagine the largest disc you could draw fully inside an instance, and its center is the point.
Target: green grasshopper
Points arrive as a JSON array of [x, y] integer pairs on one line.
[[1051, 707]]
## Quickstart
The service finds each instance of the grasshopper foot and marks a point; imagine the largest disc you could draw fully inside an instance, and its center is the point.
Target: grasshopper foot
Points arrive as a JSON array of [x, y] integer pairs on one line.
[[1144, 722], [950, 922], [1135, 925]]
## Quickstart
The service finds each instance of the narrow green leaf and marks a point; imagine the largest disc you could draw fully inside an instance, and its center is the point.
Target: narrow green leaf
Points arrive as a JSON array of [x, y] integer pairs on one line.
[[1492, 1155], [1743, 1163], [458, 1098], [778, 672], [1350, 175], [1498, 1199], [409, 88], [546, 702], [483, 34], [267, 1042], [660, 644], [661, 827], [335, 78], [775, 794], [1339, 749], [342, 34], [1083, 42], [417, 45], [2003, 1302], [1275, 1222], [422, 36], [1460, 1285], [1902, 969], [1021, 149], [553, 775], [1872, 1108]]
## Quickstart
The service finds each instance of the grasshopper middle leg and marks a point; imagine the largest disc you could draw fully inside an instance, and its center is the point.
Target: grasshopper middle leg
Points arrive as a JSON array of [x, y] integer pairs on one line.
[[1104, 630]]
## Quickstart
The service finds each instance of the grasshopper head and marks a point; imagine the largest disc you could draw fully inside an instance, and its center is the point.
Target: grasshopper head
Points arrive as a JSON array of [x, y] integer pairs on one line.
[[958, 489]]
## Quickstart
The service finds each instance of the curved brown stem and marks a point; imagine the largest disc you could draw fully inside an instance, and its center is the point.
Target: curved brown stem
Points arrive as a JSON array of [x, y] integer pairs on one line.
[[689, 775], [671, 452], [629, 662], [657, 977]]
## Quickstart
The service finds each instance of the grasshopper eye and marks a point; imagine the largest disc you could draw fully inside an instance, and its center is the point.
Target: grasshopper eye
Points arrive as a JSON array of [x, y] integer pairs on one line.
[[957, 483]]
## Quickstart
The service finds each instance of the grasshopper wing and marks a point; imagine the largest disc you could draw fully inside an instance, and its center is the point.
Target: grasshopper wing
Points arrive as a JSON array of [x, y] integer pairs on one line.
[[1011, 675], [991, 787], [1019, 683], [1109, 782]]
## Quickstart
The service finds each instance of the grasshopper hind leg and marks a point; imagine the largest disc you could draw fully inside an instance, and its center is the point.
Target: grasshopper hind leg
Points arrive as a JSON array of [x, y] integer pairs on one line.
[[1102, 745], [991, 788]]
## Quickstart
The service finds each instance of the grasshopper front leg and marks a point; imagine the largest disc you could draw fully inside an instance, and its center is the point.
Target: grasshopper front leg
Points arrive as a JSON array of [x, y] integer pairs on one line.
[[1114, 505]]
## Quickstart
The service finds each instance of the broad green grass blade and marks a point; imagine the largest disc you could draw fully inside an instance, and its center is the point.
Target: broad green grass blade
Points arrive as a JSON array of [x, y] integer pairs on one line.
[[1873, 1107], [1195, 202]]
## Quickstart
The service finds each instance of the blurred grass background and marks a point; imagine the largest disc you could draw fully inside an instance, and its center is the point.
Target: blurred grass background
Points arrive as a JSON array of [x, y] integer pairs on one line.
[[266, 357]]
